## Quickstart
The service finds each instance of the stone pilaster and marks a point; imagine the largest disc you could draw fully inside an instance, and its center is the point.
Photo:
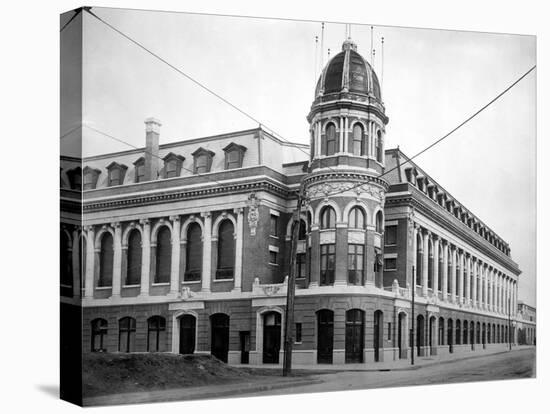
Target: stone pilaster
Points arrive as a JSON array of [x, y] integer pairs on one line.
[[425, 258], [117, 260], [90, 262], [238, 250], [468, 277], [436, 253], [145, 257], [460, 276], [207, 252], [453, 274], [175, 263], [445, 275]]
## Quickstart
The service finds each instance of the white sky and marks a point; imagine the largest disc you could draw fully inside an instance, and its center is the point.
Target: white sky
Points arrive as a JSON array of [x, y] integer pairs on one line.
[[433, 80]]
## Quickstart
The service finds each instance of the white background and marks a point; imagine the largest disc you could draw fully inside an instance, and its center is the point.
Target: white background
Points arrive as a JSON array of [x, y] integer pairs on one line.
[[30, 169]]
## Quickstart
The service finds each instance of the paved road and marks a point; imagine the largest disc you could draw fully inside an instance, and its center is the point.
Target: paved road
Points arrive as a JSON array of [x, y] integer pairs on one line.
[[509, 365]]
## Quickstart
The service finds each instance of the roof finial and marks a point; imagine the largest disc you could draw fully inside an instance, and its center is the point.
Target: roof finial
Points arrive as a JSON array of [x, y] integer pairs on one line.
[[371, 46], [382, 68], [316, 56]]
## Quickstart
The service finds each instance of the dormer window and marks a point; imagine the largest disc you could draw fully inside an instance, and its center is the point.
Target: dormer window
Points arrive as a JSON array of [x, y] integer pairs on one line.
[[90, 177], [202, 160], [139, 165], [75, 178], [234, 155], [116, 173], [172, 165]]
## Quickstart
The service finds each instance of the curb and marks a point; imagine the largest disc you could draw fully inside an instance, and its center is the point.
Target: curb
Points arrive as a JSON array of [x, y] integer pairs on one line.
[[188, 394]]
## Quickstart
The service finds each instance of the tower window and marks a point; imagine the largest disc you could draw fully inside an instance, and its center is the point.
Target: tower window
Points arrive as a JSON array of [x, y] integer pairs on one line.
[[328, 218], [378, 146], [357, 142], [330, 141]]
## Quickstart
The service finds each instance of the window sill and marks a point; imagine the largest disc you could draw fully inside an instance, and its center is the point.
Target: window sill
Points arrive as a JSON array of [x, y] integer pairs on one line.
[[274, 237], [130, 286], [223, 280], [390, 245], [390, 270], [161, 284], [190, 282], [273, 264], [103, 287]]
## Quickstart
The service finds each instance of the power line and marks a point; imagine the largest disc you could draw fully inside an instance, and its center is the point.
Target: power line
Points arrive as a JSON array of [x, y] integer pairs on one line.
[[446, 135], [150, 153], [76, 13], [70, 132]]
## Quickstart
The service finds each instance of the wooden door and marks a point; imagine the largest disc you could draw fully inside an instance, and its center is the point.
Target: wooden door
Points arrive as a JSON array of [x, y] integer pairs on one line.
[[272, 338], [220, 336], [187, 334], [325, 336]]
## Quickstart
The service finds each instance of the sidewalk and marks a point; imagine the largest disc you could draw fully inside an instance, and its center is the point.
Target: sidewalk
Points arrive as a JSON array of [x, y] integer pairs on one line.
[[397, 365], [203, 392]]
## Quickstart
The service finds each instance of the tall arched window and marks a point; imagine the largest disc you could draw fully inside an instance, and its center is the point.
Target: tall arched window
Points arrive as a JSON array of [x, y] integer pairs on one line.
[[379, 146], [331, 141], [430, 266], [163, 255], [65, 260], [106, 260], [328, 218], [357, 144], [419, 254], [133, 272], [156, 333], [379, 222], [193, 262], [99, 332], [226, 250], [356, 218], [126, 334]]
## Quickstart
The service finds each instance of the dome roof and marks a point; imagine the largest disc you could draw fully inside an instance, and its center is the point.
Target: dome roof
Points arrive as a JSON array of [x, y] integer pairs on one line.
[[349, 72]]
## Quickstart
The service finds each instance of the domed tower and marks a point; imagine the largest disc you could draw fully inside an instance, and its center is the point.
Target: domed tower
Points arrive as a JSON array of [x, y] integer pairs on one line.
[[343, 190]]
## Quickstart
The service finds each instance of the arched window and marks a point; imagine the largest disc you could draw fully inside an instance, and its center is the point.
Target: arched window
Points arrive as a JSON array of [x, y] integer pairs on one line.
[[65, 260], [156, 333], [458, 332], [163, 255], [99, 332], [379, 146], [379, 222], [419, 255], [126, 334], [441, 329], [106, 260], [328, 218], [302, 231], [465, 333], [226, 250], [331, 141], [356, 218], [193, 262], [357, 144], [430, 266], [133, 273]]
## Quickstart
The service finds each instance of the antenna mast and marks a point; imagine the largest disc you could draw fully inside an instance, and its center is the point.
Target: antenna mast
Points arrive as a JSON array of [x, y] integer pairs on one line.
[[322, 43], [371, 46], [382, 69], [316, 57]]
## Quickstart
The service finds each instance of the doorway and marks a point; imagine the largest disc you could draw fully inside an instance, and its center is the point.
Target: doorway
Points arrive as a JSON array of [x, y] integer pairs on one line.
[[220, 336], [272, 337], [354, 335], [188, 325], [325, 336]]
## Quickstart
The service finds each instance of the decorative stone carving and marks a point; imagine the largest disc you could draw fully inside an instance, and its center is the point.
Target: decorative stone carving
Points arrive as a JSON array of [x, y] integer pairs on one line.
[[186, 292], [323, 190]]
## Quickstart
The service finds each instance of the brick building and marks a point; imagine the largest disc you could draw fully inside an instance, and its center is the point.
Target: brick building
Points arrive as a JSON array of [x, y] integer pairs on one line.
[[184, 247]]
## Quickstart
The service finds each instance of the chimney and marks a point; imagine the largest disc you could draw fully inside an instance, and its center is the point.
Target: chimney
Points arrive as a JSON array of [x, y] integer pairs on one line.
[[152, 131]]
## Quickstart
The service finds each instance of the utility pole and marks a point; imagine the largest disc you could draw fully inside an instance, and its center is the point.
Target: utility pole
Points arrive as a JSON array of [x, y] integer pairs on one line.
[[413, 288], [291, 287]]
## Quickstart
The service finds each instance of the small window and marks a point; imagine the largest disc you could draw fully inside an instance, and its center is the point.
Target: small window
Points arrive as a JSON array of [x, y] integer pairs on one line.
[[327, 264], [356, 254], [298, 333], [172, 165], [331, 140], [356, 219], [171, 169], [273, 225], [234, 155], [126, 334], [116, 173], [140, 173], [390, 264], [90, 178], [328, 218], [357, 147], [272, 257], [156, 333], [99, 333], [202, 160], [390, 236]]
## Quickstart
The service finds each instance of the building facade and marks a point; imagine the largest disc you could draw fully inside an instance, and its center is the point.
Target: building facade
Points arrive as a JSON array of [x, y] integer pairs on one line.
[[185, 247]]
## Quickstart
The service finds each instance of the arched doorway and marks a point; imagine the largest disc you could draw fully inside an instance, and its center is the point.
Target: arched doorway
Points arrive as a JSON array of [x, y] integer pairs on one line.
[[355, 322], [450, 335], [378, 334], [402, 335], [472, 341], [325, 336], [272, 337], [220, 336], [420, 335], [431, 335], [188, 325]]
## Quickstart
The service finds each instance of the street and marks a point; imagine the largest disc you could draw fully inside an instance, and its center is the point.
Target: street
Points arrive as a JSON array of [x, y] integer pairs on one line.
[[508, 365]]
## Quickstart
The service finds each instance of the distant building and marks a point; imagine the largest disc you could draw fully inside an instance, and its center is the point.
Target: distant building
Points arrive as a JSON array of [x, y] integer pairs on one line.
[[526, 324], [184, 247]]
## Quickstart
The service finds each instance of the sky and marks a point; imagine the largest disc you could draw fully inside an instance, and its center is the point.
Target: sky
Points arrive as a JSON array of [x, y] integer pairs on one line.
[[432, 81]]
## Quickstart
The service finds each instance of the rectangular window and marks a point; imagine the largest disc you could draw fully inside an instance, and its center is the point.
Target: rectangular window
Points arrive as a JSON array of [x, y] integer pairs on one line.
[[390, 264], [233, 160], [327, 264], [273, 225], [301, 265], [88, 181], [390, 236], [140, 173], [114, 177], [272, 257], [389, 331], [201, 164], [298, 334], [171, 169], [355, 263]]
